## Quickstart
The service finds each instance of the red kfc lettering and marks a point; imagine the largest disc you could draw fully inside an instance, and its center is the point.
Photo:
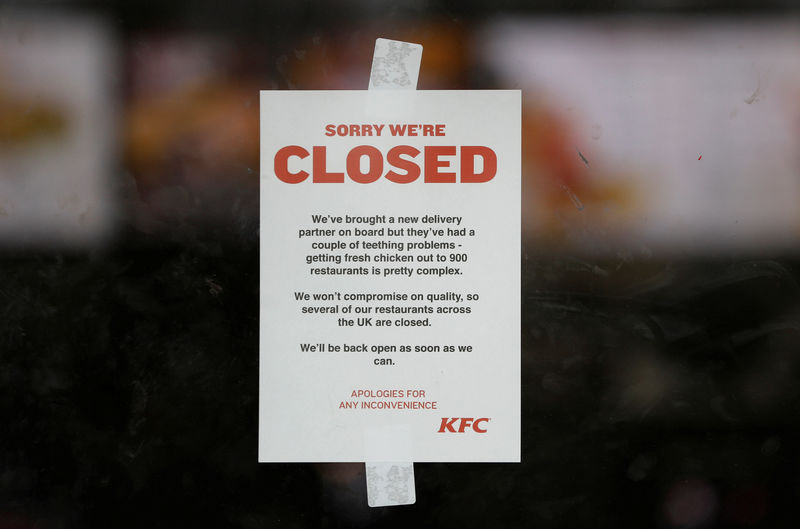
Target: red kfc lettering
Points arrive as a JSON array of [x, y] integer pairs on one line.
[[449, 424]]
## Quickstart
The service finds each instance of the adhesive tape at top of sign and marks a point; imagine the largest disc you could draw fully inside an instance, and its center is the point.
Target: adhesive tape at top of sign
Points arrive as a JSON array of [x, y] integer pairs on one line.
[[395, 68], [395, 65]]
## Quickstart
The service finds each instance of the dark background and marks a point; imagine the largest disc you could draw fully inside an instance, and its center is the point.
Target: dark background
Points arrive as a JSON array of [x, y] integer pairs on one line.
[[659, 392]]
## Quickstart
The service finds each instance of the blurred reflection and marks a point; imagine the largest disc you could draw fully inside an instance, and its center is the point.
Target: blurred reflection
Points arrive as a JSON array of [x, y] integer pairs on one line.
[[191, 136], [56, 131], [672, 134]]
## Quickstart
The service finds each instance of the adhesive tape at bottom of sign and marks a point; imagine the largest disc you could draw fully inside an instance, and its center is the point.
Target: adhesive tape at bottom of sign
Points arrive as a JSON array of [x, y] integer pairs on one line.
[[389, 471], [390, 484]]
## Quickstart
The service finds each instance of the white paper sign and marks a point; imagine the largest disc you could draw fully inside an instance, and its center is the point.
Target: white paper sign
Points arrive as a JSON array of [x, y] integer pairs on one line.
[[390, 276]]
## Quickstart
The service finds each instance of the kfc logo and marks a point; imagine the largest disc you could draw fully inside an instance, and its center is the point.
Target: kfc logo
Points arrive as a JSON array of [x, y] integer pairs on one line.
[[460, 424]]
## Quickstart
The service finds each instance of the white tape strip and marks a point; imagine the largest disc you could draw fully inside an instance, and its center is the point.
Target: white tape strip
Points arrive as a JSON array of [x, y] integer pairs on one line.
[[395, 66], [390, 484], [390, 475]]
